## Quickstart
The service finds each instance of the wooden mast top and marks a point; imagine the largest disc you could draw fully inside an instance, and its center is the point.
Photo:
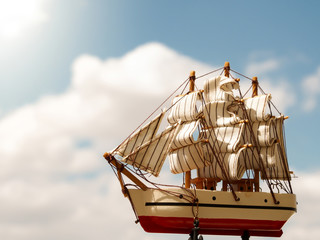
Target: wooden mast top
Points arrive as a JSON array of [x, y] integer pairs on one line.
[[227, 69], [254, 86], [192, 78]]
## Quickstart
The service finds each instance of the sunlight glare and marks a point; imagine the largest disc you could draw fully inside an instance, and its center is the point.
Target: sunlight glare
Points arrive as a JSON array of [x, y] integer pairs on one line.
[[17, 16]]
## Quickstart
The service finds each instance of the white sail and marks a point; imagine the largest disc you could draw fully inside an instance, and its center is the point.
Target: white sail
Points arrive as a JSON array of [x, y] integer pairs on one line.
[[186, 150], [186, 153], [226, 139], [279, 172], [269, 137], [236, 163], [256, 108], [184, 108], [281, 169], [219, 114], [187, 158], [224, 130], [260, 158], [188, 134], [219, 89], [264, 132], [140, 137], [151, 155], [225, 166], [215, 138]]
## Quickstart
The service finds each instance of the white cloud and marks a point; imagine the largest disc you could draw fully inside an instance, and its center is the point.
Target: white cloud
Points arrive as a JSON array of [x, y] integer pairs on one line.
[[51, 187], [305, 224], [80, 209], [56, 187], [311, 89], [147, 69], [17, 16]]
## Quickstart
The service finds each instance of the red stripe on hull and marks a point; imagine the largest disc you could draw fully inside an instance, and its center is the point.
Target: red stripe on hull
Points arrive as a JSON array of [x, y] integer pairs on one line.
[[265, 228]]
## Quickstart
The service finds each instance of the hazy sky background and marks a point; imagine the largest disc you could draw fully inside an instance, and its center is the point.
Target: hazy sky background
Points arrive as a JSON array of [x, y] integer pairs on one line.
[[72, 72]]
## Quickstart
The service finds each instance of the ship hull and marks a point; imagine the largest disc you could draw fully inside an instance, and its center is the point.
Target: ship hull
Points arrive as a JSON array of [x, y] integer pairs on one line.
[[218, 213]]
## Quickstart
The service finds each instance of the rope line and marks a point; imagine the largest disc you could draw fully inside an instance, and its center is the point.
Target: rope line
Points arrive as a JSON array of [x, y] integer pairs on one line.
[[190, 194]]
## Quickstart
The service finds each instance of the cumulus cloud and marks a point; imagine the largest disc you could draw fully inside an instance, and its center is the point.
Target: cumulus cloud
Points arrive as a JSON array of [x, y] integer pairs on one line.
[[74, 209], [18, 16], [305, 224], [311, 89], [51, 150], [54, 182]]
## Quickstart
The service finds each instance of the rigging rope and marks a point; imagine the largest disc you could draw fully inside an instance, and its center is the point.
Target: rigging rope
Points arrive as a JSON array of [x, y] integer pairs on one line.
[[153, 112], [190, 196]]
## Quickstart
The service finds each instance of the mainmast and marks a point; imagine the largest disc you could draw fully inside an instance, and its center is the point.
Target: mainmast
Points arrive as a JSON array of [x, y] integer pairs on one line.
[[226, 74], [192, 78], [256, 181]]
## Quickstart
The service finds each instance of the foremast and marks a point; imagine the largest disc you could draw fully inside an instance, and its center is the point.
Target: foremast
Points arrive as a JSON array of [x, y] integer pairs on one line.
[[192, 79]]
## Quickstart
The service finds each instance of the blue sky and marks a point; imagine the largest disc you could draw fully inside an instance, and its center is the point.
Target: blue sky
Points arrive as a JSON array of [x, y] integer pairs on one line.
[[39, 61], [209, 31], [52, 102]]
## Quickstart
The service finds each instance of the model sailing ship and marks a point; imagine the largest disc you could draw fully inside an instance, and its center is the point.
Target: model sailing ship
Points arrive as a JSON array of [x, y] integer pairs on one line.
[[232, 143]]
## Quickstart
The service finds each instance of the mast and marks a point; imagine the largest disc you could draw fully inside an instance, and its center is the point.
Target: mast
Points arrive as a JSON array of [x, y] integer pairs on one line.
[[192, 78], [227, 74], [255, 86], [256, 181], [227, 69]]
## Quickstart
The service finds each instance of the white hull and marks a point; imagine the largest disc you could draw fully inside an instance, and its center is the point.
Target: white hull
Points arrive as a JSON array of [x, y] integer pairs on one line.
[[218, 212]]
